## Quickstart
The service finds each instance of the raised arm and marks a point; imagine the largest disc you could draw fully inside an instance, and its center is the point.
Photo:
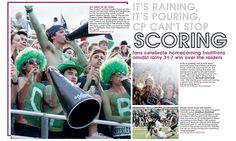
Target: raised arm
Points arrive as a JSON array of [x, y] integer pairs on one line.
[[23, 87], [81, 58], [14, 83], [50, 94], [41, 35]]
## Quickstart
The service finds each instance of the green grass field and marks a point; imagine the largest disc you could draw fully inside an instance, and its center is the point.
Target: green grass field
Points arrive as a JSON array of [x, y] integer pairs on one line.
[[140, 133]]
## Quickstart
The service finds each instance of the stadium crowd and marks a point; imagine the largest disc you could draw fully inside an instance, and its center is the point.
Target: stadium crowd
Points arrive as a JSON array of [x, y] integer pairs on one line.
[[99, 68]]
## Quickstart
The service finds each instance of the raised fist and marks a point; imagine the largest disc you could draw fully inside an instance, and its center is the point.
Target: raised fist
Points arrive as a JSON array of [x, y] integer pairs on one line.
[[28, 7]]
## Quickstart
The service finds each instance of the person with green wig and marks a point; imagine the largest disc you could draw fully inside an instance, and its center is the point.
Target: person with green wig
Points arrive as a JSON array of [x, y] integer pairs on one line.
[[116, 100], [29, 63]]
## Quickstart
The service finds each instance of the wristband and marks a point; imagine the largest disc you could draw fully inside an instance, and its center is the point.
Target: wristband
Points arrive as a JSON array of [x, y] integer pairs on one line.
[[29, 10], [14, 83]]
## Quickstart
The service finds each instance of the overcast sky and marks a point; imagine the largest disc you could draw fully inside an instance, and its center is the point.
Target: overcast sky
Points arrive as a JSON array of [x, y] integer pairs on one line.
[[74, 14]]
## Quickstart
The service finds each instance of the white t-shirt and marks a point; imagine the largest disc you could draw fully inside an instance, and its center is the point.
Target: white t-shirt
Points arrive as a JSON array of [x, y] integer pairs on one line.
[[160, 134], [158, 124]]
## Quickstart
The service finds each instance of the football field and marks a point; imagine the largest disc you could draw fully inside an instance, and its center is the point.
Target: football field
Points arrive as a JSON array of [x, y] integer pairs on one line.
[[140, 133]]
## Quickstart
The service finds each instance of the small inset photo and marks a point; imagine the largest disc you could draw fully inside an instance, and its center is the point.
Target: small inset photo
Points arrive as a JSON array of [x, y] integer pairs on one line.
[[155, 123], [155, 84]]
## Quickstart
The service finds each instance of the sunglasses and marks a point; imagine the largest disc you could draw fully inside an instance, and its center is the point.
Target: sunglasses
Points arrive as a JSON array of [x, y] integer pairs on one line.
[[119, 73], [32, 62]]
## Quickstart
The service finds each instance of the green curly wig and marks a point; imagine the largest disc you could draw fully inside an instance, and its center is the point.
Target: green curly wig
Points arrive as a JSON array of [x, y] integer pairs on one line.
[[27, 54], [112, 66]]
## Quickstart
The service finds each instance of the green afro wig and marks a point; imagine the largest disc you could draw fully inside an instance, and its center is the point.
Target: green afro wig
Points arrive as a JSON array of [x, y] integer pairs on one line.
[[29, 53], [112, 66]]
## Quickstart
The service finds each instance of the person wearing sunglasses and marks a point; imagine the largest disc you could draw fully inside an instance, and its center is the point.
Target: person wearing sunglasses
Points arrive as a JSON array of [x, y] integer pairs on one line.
[[29, 63], [116, 100]]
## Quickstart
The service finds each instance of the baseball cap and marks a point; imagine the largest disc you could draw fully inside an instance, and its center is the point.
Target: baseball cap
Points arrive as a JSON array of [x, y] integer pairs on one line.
[[53, 30]]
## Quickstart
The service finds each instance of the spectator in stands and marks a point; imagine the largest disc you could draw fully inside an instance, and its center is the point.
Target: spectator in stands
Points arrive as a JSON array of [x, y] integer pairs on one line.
[[68, 50], [84, 46], [93, 128], [92, 78], [136, 96], [16, 45], [71, 72], [55, 21], [116, 100], [13, 29], [14, 84], [29, 63], [53, 50], [124, 43], [91, 48], [103, 44], [20, 22], [91, 82], [115, 52], [124, 51], [15, 42], [169, 94], [23, 35], [151, 92]]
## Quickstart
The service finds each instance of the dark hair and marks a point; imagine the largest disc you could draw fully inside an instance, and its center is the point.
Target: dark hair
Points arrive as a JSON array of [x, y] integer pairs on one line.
[[63, 72], [115, 49], [91, 47], [55, 19], [112, 54], [86, 42], [102, 41], [49, 37], [12, 37], [124, 43], [22, 32], [52, 31], [128, 62], [65, 49], [95, 52], [127, 52]]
